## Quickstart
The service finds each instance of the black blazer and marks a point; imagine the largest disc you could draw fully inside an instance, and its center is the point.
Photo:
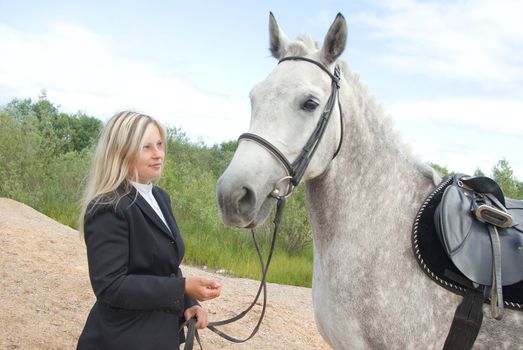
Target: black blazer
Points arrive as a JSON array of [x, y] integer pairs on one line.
[[134, 269]]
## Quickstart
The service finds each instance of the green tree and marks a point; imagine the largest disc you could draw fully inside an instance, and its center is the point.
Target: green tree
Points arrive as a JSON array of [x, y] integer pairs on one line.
[[520, 190], [62, 132], [44, 156], [83, 131], [23, 158], [443, 171], [222, 155], [478, 172], [502, 173]]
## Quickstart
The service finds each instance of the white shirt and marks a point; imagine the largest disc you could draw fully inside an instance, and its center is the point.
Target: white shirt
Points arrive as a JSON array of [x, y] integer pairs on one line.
[[146, 191]]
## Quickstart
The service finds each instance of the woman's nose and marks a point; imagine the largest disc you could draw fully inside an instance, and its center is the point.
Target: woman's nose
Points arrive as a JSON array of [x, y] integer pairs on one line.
[[158, 152]]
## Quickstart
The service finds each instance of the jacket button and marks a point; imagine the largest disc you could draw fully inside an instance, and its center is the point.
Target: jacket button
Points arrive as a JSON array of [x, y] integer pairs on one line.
[[172, 242]]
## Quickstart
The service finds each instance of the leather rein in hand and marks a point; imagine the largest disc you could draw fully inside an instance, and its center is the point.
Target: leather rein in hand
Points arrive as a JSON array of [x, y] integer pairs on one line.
[[294, 171], [192, 333]]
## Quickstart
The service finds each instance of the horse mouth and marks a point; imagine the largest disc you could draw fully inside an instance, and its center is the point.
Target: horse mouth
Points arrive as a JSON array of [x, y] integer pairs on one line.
[[264, 212], [240, 209]]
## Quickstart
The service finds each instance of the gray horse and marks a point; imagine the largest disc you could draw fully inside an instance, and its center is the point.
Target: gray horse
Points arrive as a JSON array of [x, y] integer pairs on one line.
[[368, 291]]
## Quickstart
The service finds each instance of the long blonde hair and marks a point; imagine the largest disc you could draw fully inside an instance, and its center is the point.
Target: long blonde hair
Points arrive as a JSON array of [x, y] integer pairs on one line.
[[112, 164]]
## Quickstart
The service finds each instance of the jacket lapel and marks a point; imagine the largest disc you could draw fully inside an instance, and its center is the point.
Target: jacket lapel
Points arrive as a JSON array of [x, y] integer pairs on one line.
[[165, 207], [149, 211]]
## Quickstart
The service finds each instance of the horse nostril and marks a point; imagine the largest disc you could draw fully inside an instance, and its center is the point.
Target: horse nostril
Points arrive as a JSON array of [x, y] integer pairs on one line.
[[245, 199]]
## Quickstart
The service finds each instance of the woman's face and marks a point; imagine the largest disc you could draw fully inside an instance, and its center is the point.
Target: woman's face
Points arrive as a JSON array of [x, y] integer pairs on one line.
[[149, 161]]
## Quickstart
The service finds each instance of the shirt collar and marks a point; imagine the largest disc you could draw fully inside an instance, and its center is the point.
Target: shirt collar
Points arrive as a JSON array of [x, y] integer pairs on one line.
[[143, 188]]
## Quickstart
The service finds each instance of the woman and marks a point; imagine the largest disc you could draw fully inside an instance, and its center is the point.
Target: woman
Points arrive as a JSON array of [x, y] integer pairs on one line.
[[134, 247]]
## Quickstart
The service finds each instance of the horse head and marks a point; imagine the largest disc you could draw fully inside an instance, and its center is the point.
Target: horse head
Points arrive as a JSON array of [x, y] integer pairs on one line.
[[287, 108]]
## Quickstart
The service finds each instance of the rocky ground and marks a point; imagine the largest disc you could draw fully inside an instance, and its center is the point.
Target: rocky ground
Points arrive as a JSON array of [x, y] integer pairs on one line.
[[46, 295]]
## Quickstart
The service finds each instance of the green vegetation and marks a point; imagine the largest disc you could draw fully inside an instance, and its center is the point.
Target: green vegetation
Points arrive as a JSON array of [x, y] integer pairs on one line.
[[44, 161], [43, 156], [501, 172]]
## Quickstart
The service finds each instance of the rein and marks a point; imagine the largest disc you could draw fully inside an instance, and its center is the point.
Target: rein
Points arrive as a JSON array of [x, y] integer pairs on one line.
[[192, 333], [294, 171]]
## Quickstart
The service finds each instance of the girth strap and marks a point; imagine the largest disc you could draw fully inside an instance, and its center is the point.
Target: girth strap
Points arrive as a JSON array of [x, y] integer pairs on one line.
[[467, 322]]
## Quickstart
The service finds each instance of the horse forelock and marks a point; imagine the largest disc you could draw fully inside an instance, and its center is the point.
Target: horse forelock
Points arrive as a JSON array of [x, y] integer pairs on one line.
[[303, 46]]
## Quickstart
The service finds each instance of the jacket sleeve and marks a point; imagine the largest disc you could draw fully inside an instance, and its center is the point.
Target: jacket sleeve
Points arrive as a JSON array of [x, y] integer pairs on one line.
[[107, 240], [189, 301]]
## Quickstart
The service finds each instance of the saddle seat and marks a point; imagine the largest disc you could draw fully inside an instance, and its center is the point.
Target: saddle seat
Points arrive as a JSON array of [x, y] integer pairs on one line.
[[454, 248]]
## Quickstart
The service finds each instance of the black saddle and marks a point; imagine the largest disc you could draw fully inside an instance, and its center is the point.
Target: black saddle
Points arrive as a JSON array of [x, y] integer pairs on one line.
[[449, 240], [468, 238]]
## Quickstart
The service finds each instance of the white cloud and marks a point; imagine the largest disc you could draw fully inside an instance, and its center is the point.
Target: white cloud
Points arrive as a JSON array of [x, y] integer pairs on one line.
[[466, 156], [80, 71], [476, 43], [491, 115], [474, 40], [463, 134]]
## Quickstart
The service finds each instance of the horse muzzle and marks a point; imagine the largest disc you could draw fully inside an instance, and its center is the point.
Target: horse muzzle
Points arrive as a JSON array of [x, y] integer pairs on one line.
[[240, 205]]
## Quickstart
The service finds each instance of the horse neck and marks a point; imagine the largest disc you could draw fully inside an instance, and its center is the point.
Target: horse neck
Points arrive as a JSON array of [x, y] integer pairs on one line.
[[373, 177]]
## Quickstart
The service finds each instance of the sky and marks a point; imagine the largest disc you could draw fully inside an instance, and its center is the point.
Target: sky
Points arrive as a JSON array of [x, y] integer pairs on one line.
[[449, 73]]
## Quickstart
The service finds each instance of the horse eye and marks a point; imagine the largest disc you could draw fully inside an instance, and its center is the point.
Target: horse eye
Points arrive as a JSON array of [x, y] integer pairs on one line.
[[310, 105]]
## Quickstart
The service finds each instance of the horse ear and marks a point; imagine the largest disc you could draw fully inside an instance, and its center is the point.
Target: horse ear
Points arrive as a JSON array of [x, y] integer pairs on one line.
[[278, 40], [335, 40]]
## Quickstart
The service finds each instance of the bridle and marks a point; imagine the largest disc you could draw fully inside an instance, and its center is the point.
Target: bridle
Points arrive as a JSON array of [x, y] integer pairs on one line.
[[294, 171]]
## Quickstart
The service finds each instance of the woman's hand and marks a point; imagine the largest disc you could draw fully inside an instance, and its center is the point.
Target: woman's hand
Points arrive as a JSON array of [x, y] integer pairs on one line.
[[202, 288], [202, 319]]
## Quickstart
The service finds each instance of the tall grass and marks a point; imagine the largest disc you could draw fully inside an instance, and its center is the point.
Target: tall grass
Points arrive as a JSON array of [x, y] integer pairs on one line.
[[234, 251]]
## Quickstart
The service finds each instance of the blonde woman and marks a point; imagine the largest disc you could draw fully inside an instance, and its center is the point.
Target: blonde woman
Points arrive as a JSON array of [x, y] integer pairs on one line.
[[134, 246]]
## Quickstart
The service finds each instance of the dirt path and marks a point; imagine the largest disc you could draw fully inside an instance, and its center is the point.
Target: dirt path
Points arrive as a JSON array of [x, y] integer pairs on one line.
[[46, 295]]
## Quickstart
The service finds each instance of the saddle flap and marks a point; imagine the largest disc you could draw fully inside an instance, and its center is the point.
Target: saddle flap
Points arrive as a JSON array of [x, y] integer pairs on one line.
[[453, 217], [515, 208], [466, 239]]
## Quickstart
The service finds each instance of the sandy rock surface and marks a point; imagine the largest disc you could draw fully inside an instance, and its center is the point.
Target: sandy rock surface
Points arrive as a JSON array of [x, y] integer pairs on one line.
[[45, 293]]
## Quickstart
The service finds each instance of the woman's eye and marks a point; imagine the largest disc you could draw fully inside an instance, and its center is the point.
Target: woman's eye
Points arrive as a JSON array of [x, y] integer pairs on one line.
[[310, 105], [145, 147]]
